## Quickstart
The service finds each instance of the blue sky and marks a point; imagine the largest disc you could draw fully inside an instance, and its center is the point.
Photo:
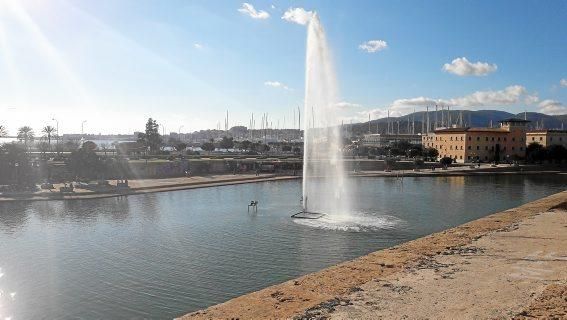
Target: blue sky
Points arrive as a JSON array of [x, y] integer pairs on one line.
[[115, 63]]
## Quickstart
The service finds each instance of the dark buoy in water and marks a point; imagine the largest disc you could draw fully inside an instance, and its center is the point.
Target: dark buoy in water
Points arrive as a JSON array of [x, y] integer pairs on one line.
[[306, 214]]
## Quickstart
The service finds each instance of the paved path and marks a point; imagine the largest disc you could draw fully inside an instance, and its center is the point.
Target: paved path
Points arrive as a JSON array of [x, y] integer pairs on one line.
[[495, 277], [142, 186]]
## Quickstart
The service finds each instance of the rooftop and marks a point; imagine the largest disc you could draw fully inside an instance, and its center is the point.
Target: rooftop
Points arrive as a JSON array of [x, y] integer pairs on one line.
[[546, 131], [457, 130]]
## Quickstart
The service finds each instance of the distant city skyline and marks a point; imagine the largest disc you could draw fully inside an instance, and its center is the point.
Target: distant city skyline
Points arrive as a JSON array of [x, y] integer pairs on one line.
[[117, 63]]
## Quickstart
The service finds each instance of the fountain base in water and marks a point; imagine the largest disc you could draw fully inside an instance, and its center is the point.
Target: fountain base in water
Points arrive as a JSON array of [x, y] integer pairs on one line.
[[308, 215]]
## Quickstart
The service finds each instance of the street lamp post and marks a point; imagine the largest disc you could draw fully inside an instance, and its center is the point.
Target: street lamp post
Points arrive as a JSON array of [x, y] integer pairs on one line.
[[53, 119], [179, 132], [83, 127]]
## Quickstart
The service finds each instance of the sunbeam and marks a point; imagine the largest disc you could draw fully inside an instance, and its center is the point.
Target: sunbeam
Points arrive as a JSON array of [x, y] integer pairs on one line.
[[8, 59], [50, 52], [118, 37]]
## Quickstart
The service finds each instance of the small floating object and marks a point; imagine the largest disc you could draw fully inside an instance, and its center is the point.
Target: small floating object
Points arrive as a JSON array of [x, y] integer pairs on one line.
[[305, 213], [308, 215], [254, 205]]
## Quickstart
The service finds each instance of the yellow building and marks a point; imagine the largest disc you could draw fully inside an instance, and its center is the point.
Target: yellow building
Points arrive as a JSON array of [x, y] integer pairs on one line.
[[508, 142], [547, 137]]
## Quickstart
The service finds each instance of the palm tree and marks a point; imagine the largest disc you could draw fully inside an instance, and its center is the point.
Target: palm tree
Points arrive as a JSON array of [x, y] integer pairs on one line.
[[48, 132], [25, 134], [3, 131]]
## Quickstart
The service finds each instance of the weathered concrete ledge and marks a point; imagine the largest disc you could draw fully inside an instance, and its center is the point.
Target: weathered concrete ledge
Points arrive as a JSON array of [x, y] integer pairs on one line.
[[312, 296]]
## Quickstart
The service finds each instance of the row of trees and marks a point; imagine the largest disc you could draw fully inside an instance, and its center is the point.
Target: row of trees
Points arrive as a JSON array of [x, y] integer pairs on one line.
[[536, 153], [15, 166], [229, 143], [27, 135], [400, 148]]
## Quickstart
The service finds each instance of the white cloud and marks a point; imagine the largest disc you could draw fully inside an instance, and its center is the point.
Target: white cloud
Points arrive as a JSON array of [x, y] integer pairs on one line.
[[272, 6], [552, 107], [378, 113], [372, 46], [343, 105], [298, 15], [276, 84], [510, 95], [462, 67], [563, 82], [198, 46], [531, 99], [419, 101], [249, 10]]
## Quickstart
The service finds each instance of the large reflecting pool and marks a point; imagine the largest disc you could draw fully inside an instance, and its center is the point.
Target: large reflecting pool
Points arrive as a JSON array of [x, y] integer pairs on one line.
[[162, 255]]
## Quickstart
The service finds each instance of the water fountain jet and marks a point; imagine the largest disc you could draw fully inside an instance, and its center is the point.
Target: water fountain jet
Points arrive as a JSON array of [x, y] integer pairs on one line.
[[325, 190]]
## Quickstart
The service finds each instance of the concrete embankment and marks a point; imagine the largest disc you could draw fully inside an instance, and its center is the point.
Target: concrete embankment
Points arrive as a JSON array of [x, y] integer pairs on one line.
[[511, 264], [142, 186], [149, 186]]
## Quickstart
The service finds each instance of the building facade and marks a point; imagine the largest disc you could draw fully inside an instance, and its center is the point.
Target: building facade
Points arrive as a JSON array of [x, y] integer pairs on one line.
[[385, 140], [508, 142], [547, 137]]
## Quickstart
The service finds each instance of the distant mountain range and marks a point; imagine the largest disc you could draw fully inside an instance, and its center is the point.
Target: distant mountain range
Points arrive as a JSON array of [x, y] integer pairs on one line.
[[466, 118]]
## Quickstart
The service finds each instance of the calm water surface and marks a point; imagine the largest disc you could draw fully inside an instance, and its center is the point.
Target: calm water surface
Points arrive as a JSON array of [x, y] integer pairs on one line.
[[162, 255]]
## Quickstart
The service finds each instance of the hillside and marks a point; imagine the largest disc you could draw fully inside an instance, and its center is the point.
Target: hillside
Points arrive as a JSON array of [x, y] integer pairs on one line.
[[481, 118]]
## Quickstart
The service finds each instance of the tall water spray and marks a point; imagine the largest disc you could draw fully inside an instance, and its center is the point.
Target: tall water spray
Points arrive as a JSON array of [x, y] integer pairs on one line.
[[324, 175]]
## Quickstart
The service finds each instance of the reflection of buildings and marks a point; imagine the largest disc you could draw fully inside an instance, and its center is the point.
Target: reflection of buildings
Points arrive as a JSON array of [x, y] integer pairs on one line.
[[487, 144], [547, 137], [386, 140]]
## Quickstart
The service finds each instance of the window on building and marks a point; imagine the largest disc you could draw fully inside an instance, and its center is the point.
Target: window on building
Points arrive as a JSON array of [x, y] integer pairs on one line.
[[461, 138], [486, 148], [451, 138], [540, 138], [477, 138], [470, 138], [477, 147], [513, 139], [492, 139], [498, 138], [450, 147], [504, 138], [469, 147], [469, 157], [461, 157], [486, 138], [513, 148], [521, 148], [492, 148], [504, 149], [485, 157], [461, 147]]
